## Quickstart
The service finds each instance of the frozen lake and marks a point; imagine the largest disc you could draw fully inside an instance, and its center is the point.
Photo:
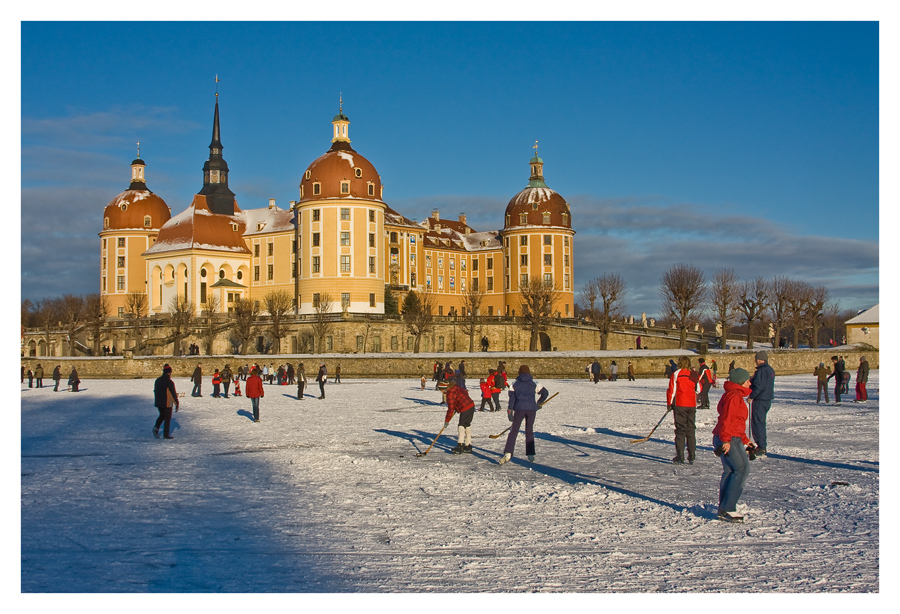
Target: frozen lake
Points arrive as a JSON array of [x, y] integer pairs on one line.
[[328, 495]]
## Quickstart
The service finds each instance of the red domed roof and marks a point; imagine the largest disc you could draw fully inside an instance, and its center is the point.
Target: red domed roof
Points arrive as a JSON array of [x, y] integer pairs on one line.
[[128, 210], [199, 228], [537, 201], [338, 165]]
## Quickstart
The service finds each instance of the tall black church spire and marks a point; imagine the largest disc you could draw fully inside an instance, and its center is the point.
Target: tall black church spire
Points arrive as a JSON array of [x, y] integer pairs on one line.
[[219, 196]]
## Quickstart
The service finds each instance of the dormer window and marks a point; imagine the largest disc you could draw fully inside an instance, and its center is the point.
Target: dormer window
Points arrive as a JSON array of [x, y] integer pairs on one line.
[[308, 175], [259, 226], [371, 189], [124, 206], [317, 189], [523, 218], [565, 219], [234, 227], [358, 172], [147, 221], [345, 187], [105, 224], [546, 217]]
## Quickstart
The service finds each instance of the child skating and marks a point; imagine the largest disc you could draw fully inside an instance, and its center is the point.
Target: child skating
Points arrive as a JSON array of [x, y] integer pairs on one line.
[[458, 401]]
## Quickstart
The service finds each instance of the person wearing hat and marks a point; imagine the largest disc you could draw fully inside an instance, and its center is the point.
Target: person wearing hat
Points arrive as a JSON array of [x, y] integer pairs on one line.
[[523, 406], [164, 397], [862, 376], [322, 377], [459, 402], [822, 372], [729, 441], [762, 391]]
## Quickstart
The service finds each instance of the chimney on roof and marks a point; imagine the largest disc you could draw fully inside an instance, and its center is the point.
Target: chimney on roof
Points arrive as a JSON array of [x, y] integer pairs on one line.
[[462, 218], [271, 203], [435, 214], [293, 204]]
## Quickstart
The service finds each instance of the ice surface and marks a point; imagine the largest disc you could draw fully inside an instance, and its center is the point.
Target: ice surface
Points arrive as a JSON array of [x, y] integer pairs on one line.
[[328, 495]]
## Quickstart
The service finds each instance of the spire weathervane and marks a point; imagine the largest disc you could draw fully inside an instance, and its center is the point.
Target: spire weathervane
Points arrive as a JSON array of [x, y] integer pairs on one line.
[[139, 149], [341, 105], [535, 147], [217, 85]]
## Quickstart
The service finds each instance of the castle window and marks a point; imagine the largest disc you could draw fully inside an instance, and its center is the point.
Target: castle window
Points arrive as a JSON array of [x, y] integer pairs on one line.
[[202, 272], [371, 264], [371, 299], [345, 238], [270, 272], [474, 264], [523, 218], [345, 264], [221, 274], [147, 221], [104, 284], [523, 280], [393, 237], [548, 279], [371, 239], [566, 260], [548, 260], [490, 263], [345, 213], [523, 240], [316, 215], [345, 300], [371, 211], [372, 191], [507, 219], [316, 264], [120, 282], [308, 174], [256, 250], [534, 206], [270, 248], [566, 241], [234, 227], [412, 280], [566, 277], [256, 273], [548, 240], [565, 219], [474, 285], [121, 262], [259, 226], [358, 172], [345, 187], [315, 239], [523, 260], [315, 299], [546, 218], [490, 283], [240, 275], [104, 240], [124, 206], [121, 242], [317, 190]]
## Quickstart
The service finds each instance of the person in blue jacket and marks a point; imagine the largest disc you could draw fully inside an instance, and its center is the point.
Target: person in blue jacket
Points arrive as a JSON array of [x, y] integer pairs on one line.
[[523, 406], [762, 391]]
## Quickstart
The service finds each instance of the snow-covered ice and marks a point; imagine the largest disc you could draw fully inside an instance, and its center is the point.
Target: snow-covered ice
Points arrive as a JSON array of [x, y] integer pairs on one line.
[[328, 495]]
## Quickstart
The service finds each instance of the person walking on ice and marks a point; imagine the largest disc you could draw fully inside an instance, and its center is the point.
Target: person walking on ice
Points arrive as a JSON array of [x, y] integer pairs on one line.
[[682, 398], [523, 406], [164, 396], [459, 402], [254, 392], [729, 441], [762, 391]]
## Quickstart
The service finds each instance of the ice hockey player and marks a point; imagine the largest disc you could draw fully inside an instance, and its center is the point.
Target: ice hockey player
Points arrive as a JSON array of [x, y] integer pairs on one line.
[[523, 406], [458, 401], [486, 395]]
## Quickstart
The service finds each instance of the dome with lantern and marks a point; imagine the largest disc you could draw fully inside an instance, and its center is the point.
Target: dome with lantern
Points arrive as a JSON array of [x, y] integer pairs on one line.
[[137, 208], [537, 205], [340, 172]]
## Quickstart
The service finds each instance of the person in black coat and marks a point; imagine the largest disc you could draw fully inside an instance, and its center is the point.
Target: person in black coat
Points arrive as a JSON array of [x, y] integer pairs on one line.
[[56, 377], [164, 396], [197, 378], [762, 391], [321, 378], [838, 376], [73, 380]]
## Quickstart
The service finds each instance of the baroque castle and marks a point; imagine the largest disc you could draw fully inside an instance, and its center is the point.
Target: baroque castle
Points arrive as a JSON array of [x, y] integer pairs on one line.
[[340, 239]]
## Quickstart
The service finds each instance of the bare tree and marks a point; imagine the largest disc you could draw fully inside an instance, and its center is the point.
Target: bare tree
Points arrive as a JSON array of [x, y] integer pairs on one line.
[[831, 315], [213, 324], [96, 307], [815, 311], [604, 300], [683, 290], [753, 300], [779, 287], [278, 304], [244, 313], [797, 300], [473, 300], [182, 309], [136, 306], [48, 314], [322, 324], [537, 300], [418, 315], [72, 313], [724, 294]]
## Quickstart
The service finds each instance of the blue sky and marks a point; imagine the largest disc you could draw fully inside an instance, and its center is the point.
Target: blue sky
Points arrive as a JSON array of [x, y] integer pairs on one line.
[[750, 145]]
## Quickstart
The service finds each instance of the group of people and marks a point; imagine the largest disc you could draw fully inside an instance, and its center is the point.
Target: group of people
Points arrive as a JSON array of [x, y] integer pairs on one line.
[[222, 379], [842, 380], [36, 377], [595, 371]]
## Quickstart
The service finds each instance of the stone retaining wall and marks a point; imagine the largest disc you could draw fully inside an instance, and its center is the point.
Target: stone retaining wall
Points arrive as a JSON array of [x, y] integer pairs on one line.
[[542, 364]]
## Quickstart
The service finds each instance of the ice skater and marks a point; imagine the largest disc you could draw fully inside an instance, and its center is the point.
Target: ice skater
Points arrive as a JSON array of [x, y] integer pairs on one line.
[[164, 397], [255, 392], [523, 406], [485, 395], [459, 401], [729, 441]]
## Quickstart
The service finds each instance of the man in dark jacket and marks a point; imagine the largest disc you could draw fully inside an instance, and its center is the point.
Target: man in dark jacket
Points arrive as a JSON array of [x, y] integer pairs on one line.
[[164, 396], [762, 391], [197, 378], [226, 379], [706, 382], [862, 376], [838, 376], [596, 370], [57, 375], [39, 375], [322, 377]]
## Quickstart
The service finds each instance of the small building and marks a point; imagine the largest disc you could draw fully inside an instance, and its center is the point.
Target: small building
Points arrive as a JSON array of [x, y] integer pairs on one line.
[[864, 327]]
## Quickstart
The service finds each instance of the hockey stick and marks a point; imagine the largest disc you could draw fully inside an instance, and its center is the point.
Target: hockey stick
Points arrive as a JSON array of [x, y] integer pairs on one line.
[[643, 439], [433, 442], [498, 435]]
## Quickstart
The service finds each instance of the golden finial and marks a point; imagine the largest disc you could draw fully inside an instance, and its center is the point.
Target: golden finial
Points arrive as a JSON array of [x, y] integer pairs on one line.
[[341, 105], [139, 149], [535, 148], [217, 85]]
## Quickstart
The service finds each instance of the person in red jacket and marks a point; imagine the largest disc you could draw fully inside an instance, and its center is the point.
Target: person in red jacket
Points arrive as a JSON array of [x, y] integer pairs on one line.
[[216, 382], [682, 399], [729, 440], [458, 401], [254, 392], [495, 380], [485, 395]]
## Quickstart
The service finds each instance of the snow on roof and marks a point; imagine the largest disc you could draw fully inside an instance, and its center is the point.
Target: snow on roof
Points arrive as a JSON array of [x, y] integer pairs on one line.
[[273, 219], [346, 156], [869, 316]]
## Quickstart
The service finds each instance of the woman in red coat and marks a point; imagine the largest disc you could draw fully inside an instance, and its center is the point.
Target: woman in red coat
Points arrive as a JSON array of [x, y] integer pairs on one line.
[[729, 439], [254, 392]]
